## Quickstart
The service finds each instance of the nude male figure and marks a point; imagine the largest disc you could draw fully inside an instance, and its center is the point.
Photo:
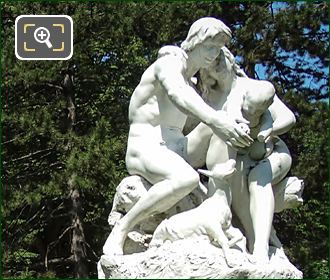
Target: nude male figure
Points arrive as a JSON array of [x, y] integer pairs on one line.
[[159, 106]]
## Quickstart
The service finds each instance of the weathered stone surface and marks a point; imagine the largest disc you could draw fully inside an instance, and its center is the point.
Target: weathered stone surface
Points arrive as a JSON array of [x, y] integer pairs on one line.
[[195, 258]]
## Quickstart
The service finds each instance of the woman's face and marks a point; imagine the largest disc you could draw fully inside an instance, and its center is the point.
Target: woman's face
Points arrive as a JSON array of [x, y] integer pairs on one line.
[[207, 52]]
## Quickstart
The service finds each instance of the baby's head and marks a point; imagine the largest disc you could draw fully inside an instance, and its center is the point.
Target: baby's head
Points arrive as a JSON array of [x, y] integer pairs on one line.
[[256, 103]]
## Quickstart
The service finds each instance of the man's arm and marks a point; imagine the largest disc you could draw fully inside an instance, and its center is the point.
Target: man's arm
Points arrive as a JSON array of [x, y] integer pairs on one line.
[[169, 72]]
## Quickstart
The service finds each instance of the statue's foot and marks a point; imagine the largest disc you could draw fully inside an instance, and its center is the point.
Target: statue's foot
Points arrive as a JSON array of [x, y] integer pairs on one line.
[[155, 243], [259, 258], [232, 260], [114, 243]]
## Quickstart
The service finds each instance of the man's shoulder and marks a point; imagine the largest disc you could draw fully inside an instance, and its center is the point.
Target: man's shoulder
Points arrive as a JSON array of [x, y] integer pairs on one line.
[[172, 51], [172, 57]]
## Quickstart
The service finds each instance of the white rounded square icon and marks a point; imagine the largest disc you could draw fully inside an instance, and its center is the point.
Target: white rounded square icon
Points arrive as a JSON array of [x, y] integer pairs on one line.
[[43, 37]]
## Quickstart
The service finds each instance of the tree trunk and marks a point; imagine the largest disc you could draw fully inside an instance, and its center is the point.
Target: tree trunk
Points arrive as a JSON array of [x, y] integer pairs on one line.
[[78, 238], [78, 249]]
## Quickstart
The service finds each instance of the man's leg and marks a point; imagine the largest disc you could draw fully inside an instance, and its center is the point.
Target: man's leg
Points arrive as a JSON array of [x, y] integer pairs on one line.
[[173, 179]]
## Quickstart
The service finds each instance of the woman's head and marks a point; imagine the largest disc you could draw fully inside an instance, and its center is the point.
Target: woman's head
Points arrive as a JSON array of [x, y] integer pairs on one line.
[[221, 67], [226, 60], [203, 29]]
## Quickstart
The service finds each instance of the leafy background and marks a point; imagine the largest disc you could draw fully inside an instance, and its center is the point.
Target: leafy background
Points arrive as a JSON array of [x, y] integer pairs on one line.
[[65, 122]]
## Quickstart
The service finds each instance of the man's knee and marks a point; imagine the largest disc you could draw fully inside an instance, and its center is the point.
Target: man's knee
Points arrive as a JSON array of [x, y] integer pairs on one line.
[[186, 180]]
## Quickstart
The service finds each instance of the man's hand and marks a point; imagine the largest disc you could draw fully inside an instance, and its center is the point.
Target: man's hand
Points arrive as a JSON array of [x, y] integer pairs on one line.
[[245, 127], [228, 130]]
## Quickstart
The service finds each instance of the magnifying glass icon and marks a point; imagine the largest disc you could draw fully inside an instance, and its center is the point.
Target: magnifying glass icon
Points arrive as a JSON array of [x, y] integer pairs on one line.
[[41, 35]]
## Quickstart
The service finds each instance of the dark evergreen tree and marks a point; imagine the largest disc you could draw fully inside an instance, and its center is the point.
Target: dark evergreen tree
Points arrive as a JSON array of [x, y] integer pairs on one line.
[[65, 122]]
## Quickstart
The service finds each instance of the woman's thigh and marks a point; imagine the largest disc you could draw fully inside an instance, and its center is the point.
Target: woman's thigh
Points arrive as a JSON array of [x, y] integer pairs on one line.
[[197, 145], [218, 152], [273, 168]]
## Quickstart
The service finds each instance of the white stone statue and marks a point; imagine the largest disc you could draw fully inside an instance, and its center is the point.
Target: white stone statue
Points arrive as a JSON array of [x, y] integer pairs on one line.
[[261, 165], [212, 218], [157, 148], [231, 124], [288, 194], [128, 192]]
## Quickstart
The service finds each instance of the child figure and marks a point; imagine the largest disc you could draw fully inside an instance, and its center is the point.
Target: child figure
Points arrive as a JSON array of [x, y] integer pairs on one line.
[[249, 100], [264, 163], [253, 105]]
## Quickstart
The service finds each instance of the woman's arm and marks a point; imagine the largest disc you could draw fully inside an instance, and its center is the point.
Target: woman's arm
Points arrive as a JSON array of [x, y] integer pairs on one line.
[[283, 117]]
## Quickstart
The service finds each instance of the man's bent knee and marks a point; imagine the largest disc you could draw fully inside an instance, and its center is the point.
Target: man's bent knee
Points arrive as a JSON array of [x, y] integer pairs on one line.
[[185, 181]]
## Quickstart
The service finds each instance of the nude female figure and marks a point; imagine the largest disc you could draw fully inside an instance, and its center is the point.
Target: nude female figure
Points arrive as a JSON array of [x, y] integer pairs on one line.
[[266, 162]]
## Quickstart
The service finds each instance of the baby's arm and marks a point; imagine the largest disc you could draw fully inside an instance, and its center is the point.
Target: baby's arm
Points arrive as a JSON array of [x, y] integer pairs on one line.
[[266, 126]]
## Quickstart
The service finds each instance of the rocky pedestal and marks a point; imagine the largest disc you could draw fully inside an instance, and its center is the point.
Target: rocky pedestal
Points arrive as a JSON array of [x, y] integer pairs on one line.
[[195, 258]]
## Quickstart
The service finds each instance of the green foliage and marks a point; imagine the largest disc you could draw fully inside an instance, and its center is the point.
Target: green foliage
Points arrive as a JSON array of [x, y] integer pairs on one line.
[[23, 256], [114, 42]]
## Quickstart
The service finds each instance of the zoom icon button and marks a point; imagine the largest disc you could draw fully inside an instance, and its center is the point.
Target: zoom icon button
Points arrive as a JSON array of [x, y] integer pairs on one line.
[[43, 37]]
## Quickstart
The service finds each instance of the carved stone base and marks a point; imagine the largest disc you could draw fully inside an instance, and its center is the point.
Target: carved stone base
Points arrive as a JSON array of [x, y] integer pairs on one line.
[[195, 258]]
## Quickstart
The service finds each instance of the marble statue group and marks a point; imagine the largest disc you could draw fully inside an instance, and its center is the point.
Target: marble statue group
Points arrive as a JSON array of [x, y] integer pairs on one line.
[[206, 161]]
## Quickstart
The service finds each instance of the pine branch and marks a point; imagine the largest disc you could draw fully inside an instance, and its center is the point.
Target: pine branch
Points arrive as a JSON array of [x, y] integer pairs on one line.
[[54, 86], [55, 261], [53, 244], [12, 140], [28, 156]]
